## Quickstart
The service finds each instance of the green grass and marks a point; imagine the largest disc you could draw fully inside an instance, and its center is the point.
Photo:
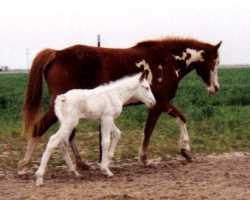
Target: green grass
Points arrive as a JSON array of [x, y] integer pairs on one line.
[[216, 123]]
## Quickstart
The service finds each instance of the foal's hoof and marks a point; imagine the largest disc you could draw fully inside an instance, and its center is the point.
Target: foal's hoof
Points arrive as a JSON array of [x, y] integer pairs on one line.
[[39, 181], [108, 173], [186, 154], [82, 165]]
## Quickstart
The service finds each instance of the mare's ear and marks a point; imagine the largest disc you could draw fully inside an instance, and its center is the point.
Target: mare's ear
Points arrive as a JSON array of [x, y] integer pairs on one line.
[[144, 75], [217, 46]]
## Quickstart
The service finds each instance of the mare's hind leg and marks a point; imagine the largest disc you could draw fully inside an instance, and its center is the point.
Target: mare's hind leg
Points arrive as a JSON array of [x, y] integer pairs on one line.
[[79, 163], [184, 137], [40, 128], [152, 118]]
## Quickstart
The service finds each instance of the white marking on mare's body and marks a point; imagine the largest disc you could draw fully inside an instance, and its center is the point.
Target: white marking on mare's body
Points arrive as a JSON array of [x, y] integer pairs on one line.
[[160, 79], [195, 56], [145, 66], [104, 103]]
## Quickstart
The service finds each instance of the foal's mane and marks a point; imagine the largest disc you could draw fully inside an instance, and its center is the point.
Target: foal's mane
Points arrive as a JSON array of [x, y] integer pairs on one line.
[[122, 82], [173, 41]]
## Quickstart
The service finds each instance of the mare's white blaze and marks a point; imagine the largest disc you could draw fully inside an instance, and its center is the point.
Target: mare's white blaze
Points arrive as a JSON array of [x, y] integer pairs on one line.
[[195, 56], [184, 137], [214, 82], [145, 66]]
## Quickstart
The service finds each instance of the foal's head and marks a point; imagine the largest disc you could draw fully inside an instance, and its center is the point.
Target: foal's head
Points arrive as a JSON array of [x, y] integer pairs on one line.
[[207, 69], [143, 91]]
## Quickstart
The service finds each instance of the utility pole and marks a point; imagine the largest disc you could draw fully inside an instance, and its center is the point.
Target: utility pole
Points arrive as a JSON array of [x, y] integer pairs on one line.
[[98, 40], [27, 52]]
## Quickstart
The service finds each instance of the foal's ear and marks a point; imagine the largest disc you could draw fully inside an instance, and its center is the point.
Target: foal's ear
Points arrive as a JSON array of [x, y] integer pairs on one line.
[[144, 75]]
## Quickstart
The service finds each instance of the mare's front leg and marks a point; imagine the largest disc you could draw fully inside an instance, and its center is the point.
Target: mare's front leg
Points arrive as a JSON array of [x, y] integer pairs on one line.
[[106, 128], [152, 118], [184, 137]]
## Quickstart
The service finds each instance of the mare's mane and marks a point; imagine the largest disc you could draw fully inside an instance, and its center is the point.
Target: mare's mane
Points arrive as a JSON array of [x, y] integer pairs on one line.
[[173, 41]]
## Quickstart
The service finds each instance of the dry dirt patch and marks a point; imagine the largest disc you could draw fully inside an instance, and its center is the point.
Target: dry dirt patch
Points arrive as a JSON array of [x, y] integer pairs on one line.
[[215, 177]]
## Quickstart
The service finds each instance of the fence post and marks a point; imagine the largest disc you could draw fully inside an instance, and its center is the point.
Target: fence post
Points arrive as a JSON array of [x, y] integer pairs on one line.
[[98, 40]]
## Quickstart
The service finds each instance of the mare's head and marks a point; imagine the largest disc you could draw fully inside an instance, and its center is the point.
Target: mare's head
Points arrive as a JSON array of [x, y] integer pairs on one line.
[[143, 91], [192, 54], [207, 69]]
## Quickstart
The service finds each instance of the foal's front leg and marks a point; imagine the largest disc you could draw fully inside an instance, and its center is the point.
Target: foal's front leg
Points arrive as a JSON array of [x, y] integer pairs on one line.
[[106, 128]]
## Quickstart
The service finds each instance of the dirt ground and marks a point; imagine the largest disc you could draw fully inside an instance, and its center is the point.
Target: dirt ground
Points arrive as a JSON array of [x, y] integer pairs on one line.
[[215, 177]]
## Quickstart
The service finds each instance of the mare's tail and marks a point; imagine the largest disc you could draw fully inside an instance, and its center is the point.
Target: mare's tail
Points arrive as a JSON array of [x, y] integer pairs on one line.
[[32, 102]]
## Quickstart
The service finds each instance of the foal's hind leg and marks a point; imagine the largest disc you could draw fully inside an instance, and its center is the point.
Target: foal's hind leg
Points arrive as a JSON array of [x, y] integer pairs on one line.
[[55, 140], [67, 158], [40, 128], [116, 134]]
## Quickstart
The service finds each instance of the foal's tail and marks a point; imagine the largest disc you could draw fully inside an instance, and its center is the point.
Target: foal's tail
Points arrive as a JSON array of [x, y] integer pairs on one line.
[[59, 106], [32, 102]]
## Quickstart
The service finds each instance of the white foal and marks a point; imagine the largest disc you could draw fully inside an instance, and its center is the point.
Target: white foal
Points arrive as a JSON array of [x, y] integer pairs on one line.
[[104, 103]]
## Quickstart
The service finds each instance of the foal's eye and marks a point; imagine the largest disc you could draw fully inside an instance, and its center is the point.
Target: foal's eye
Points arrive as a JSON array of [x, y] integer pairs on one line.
[[147, 88]]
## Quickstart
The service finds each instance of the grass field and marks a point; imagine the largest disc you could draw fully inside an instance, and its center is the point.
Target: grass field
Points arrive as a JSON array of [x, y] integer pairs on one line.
[[215, 123]]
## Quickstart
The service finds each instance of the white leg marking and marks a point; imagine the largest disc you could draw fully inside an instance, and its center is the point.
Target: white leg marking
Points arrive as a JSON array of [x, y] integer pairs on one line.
[[184, 137]]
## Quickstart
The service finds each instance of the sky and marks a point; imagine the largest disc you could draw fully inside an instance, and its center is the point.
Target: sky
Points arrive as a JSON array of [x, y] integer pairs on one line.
[[28, 26]]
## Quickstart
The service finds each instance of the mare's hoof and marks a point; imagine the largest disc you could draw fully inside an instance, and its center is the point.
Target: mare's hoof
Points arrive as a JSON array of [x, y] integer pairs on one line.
[[144, 159], [186, 154], [22, 168]]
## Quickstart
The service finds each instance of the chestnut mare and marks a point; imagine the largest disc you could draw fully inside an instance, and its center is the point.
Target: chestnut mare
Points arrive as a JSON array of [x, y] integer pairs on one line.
[[167, 61]]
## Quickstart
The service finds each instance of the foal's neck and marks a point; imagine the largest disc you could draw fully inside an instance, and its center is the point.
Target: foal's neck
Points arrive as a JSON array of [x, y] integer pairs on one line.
[[127, 91]]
